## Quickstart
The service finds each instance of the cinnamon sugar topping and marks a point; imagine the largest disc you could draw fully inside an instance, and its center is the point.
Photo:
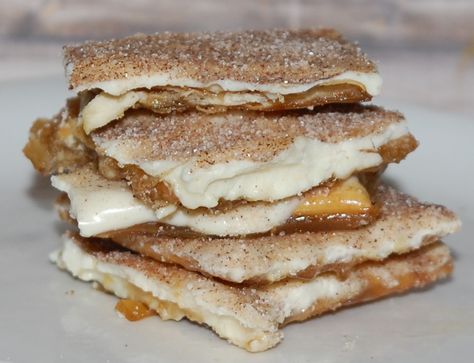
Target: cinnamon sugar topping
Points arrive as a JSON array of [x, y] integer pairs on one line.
[[258, 57], [238, 135]]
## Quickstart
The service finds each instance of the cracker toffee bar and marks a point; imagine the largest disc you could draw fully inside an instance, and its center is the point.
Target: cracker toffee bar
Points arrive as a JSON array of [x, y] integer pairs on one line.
[[233, 179]]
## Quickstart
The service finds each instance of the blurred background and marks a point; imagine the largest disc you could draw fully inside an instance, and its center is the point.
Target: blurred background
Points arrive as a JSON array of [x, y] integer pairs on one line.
[[424, 48]]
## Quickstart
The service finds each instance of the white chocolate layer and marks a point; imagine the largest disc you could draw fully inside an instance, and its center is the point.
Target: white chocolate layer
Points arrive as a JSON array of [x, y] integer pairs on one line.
[[372, 82], [111, 105], [306, 163], [100, 205]]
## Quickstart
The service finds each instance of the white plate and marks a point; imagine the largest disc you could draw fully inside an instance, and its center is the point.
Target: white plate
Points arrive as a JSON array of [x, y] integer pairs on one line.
[[46, 316]]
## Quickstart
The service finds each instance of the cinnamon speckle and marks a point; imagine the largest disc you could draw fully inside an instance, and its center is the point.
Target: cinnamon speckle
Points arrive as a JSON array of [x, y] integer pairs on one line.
[[255, 136], [260, 57]]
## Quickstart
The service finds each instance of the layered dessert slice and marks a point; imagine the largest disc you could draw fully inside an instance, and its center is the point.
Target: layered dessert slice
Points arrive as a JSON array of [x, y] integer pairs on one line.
[[229, 174], [403, 225], [214, 72], [247, 316]]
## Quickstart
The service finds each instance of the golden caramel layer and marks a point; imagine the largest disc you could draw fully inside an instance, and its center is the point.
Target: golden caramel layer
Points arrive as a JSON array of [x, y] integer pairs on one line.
[[133, 310], [172, 99], [346, 197]]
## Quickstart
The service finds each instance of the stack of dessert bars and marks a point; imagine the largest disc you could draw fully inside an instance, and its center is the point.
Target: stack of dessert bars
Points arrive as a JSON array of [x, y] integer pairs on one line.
[[234, 179]]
